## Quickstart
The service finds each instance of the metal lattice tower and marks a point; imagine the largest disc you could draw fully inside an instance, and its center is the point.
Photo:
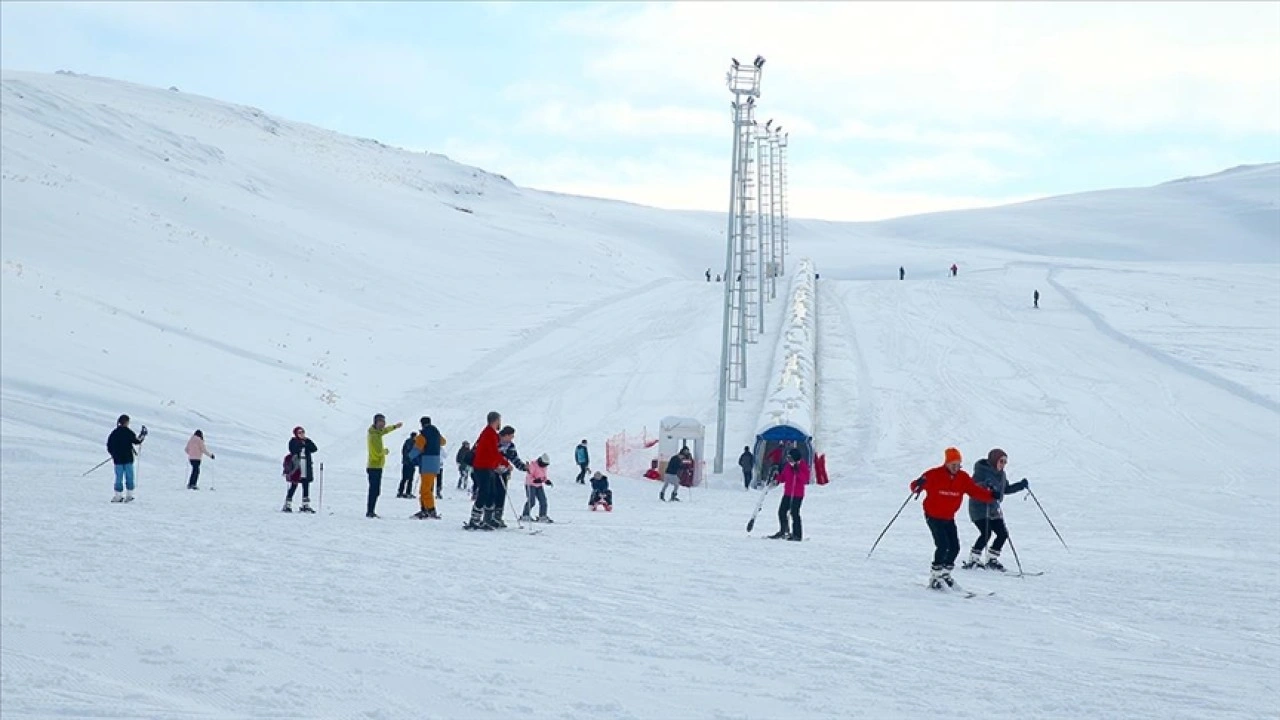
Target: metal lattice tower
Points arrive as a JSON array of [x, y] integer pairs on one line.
[[783, 213], [764, 217], [742, 240], [775, 210], [744, 83]]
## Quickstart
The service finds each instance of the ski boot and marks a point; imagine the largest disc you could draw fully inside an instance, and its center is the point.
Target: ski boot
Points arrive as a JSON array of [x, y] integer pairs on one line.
[[490, 521], [371, 515], [974, 561], [946, 575], [795, 537], [993, 561], [935, 578], [192, 487], [420, 515], [306, 507], [117, 498], [544, 519], [526, 518], [780, 535], [288, 507]]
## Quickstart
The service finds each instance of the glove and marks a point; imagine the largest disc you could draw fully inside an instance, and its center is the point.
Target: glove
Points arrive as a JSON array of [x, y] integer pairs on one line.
[[212, 456], [1026, 484]]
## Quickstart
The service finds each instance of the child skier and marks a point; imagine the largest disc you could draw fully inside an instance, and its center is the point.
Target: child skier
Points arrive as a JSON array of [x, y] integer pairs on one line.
[[506, 446], [988, 517], [601, 495], [464, 465], [794, 476], [944, 487], [534, 481]]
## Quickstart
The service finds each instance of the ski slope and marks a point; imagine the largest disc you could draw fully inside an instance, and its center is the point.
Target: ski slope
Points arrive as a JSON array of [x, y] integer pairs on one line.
[[1140, 399]]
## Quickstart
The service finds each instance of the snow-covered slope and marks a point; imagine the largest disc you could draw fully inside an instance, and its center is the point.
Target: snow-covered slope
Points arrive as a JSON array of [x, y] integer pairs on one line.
[[179, 255], [197, 264]]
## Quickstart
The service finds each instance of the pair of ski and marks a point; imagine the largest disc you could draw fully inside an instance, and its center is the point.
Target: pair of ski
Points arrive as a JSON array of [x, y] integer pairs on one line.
[[954, 587]]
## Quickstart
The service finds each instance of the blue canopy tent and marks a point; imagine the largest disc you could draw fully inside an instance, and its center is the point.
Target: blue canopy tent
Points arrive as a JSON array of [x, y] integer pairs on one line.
[[784, 436]]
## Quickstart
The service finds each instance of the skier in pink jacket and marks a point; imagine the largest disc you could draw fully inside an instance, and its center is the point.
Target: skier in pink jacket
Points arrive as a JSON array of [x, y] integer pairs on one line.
[[535, 484], [793, 477], [195, 452]]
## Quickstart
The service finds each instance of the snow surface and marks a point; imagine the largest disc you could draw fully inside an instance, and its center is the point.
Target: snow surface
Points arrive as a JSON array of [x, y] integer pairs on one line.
[[199, 264], [793, 380]]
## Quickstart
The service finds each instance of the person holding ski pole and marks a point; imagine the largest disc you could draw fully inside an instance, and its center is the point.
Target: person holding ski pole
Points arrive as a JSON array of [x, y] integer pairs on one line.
[[794, 476], [507, 446], [196, 451], [120, 445], [944, 487], [301, 448], [988, 517]]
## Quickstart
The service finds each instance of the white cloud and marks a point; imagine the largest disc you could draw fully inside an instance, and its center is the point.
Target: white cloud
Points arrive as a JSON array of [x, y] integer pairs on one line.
[[1122, 67], [623, 119]]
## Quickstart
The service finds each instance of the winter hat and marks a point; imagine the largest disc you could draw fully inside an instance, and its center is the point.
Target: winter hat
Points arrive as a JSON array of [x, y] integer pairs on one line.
[[298, 430], [994, 456], [795, 454], [544, 460], [951, 455], [199, 434]]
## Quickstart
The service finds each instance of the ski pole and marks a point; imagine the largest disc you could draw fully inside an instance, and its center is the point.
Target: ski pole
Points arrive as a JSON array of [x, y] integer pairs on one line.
[[910, 496], [1046, 517], [95, 467], [1009, 537], [510, 504], [320, 493], [752, 522]]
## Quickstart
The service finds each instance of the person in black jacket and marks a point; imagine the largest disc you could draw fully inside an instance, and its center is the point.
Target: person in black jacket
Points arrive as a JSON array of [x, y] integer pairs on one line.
[[407, 467], [988, 517], [120, 445], [301, 448], [600, 493], [747, 462], [506, 446], [671, 477], [463, 458]]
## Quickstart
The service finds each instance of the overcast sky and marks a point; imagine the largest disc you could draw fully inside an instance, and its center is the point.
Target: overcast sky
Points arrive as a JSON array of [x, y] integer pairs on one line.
[[892, 108]]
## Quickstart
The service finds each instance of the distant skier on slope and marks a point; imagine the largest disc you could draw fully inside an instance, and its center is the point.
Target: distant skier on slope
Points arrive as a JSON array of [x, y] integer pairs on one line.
[[535, 484], [583, 459], [708, 274], [407, 466], [1035, 299], [747, 462], [196, 451], [794, 476], [902, 273], [486, 461], [954, 269], [120, 445], [988, 517], [377, 460], [301, 448], [944, 487]]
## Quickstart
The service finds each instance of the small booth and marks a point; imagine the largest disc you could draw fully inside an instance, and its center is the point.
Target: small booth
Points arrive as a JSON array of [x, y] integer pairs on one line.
[[678, 432], [772, 444]]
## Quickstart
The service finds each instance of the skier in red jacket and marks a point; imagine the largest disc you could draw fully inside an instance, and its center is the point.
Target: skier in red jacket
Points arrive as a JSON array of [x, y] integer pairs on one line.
[[945, 488], [484, 475]]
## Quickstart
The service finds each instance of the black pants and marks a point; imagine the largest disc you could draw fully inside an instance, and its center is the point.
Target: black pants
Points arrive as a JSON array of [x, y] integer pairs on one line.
[[598, 495], [582, 473], [195, 473], [946, 542], [406, 478], [375, 488], [534, 494], [440, 483], [985, 528], [746, 477], [483, 482], [790, 505], [293, 487]]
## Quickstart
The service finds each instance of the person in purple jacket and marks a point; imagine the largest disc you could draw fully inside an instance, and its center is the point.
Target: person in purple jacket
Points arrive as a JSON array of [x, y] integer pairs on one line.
[[793, 476]]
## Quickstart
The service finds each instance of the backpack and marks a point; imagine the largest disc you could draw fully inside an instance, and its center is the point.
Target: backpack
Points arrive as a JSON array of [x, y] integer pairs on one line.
[[292, 473]]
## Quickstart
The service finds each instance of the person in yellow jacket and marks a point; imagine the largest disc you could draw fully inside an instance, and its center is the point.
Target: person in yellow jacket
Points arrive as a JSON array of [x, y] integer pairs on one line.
[[377, 459], [426, 450]]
